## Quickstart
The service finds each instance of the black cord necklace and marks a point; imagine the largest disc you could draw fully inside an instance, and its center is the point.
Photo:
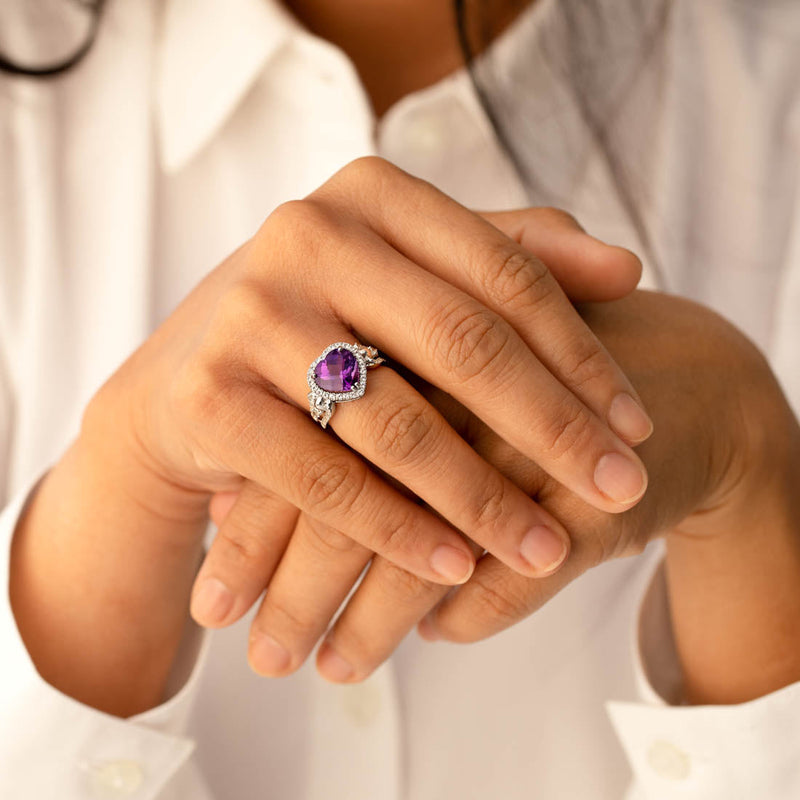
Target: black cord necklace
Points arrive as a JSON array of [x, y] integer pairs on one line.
[[95, 9]]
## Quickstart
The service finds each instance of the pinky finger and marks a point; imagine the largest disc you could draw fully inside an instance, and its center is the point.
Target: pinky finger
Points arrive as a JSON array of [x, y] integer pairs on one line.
[[244, 554]]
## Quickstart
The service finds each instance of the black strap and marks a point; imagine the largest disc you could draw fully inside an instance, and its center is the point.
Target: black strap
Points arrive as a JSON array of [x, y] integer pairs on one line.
[[58, 68]]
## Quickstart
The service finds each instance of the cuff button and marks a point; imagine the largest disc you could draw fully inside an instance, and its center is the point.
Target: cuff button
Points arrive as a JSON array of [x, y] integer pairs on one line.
[[115, 779], [668, 761]]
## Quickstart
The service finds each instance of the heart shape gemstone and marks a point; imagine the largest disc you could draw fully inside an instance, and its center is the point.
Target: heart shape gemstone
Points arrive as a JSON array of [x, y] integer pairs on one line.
[[338, 371]]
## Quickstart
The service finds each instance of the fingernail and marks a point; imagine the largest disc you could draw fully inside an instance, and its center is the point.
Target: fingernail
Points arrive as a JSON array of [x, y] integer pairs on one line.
[[427, 629], [629, 419], [543, 549], [267, 655], [620, 478], [454, 565], [332, 665], [212, 602]]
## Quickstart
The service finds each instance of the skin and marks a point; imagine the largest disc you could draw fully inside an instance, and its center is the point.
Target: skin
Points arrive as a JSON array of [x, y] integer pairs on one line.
[[754, 572], [723, 493], [121, 515], [199, 408], [399, 46]]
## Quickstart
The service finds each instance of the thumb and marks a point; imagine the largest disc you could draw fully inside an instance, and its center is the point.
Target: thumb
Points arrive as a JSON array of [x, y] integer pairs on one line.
[[588, 269]]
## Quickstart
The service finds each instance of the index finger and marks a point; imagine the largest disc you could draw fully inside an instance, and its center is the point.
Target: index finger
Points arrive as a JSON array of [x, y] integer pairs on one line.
[[470, 253]]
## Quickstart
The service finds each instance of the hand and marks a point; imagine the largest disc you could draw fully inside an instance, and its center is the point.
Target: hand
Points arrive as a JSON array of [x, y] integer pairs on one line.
[[215, 400], [725, 494], [708, 390], [217, 395], [694, 371]]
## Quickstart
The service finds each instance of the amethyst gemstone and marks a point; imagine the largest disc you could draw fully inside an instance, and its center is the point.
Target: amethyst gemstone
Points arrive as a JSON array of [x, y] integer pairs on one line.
[[337, 372]]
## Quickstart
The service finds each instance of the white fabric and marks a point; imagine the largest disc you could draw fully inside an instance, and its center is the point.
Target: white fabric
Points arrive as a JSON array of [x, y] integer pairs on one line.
[[124, 182]]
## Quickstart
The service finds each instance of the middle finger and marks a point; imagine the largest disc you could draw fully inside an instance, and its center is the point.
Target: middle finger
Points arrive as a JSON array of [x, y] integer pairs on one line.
[[450, 339]]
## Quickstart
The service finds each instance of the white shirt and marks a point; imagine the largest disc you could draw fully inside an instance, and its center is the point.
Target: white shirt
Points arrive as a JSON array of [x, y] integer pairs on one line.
[[126, 181]]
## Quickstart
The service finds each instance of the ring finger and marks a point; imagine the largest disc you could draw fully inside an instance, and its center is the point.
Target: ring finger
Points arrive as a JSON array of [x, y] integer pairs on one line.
[[398, 431]]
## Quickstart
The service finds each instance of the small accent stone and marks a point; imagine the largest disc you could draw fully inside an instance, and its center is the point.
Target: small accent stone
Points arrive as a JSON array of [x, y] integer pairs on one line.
[[338, 371]]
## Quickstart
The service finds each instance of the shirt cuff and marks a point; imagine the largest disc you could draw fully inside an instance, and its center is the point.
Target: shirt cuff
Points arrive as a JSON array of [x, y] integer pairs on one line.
[[711, 752], [54, 748]]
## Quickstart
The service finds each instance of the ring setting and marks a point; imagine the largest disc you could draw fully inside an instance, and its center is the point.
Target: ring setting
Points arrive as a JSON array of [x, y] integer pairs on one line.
[[338, 374]]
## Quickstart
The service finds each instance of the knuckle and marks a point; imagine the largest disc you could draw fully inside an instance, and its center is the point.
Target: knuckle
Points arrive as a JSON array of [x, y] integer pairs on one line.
[[596, 550], [403, 432], [295, 229], [368, 170], [241, 303], [368, 183], [560, 216], [597, 536], [358, 642], [519, 278], [469, 341], [239, 547], [584, 365], [330, 483], [244, 314], [397, 535], [328, 541], [278, 613], [569, 430], [241, 314], [492, 604], [200, 387], [491, 507], [610, 536], [296, 216], [216, 414], [500, 600], [197, 393], [403, 586]]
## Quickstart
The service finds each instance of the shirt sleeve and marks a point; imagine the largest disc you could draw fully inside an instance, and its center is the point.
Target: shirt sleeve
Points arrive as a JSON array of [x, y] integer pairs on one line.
[[709, 752], [54, 748]]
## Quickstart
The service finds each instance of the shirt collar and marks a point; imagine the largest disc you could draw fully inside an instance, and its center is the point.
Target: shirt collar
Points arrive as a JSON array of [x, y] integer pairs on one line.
[[208, 55]]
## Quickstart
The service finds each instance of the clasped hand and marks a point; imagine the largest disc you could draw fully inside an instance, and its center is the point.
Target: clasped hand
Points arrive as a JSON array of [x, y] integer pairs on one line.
[[494, 452]]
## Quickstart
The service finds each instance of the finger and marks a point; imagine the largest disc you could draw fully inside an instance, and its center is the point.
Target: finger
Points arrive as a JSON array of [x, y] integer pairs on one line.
[[454, 342], [495, 599], [317, 571], [220, 505], [498, 601], [398, 431], [242, 556], [466, 251], [384, 607], [587, 269], [277, 446]]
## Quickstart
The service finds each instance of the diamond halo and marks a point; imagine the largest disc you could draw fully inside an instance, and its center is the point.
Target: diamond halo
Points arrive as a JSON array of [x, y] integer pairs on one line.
[[322, 401]]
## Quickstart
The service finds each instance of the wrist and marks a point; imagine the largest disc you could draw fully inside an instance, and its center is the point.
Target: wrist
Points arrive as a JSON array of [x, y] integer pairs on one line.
[[733, 571], [103, 521]]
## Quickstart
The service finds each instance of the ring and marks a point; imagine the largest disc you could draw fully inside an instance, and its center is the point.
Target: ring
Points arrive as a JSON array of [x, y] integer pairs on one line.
[[337, 375]]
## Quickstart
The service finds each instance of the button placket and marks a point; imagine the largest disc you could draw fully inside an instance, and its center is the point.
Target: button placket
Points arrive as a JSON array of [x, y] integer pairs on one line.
[[362, 703]]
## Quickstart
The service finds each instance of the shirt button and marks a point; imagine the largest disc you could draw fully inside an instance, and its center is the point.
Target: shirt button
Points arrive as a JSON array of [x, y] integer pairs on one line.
[[112, 779], [362, 703], [668, 761], [425, 135]]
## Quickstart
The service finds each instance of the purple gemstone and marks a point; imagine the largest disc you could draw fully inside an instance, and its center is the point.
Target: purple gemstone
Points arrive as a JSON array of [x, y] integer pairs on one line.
[[338, 371]]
